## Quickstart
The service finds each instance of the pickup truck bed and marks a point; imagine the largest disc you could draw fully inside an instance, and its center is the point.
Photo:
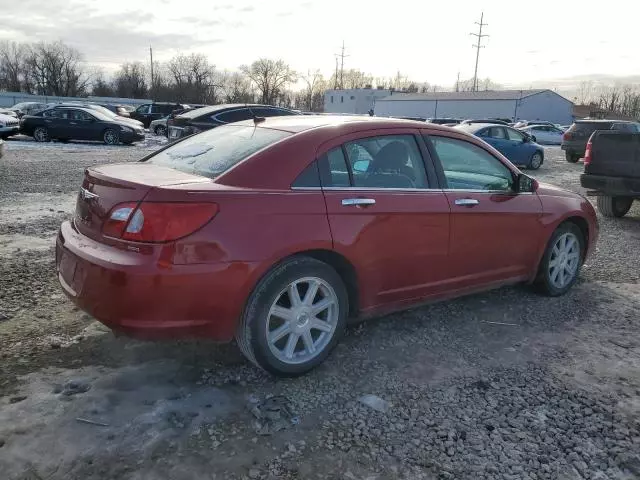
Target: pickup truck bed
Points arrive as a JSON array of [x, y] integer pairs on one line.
[[612, 170]]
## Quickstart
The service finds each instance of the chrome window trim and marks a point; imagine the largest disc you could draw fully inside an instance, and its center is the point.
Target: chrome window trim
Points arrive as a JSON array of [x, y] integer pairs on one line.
[[404, 190]]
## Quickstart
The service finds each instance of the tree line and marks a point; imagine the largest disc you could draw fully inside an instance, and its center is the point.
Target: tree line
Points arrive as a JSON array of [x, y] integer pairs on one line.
[[57, 69], [620, 99]]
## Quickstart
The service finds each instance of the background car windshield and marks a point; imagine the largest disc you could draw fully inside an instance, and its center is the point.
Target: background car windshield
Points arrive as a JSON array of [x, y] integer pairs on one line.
[[213, 152]]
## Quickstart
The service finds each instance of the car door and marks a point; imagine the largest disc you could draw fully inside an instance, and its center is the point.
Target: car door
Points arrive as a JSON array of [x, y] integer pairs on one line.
[[386, 216], [60, 124], [495, 232], [80, 125], [520, 149], [142, 114]]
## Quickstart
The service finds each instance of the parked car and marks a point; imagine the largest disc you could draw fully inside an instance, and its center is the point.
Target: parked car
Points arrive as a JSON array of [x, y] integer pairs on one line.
[[443, 121], [527, 123], [159, 126], [544, 134], [101, 109], [80, 123], [8, 126], [28, 108], [117, 109], [484, 120], [152, 111], [268, 231], [611, 169], [518, 147], [196, 121], [574, 140]]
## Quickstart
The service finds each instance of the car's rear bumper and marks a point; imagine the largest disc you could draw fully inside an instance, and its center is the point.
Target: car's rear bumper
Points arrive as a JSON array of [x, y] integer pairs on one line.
[[140, 296], [613, 186], [131, 136]]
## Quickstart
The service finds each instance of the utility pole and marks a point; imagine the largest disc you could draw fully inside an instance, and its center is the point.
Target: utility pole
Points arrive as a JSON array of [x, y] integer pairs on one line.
[[335, 80], [458, 83], [341, 55], [151, 55], [479, 36]]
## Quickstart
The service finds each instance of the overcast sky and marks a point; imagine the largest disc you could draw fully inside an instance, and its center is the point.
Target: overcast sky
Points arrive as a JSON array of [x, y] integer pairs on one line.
[[425, 40]]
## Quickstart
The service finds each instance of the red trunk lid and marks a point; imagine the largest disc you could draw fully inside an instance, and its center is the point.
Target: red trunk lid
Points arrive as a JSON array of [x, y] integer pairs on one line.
[[108, 185]]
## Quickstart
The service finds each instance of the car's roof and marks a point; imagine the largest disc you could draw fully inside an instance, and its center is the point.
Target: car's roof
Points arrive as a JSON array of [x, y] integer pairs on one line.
[[300, 123], [196, 112], [474, 127]]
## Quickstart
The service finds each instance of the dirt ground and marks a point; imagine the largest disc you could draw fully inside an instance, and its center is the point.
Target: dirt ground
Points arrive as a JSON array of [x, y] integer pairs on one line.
[[505, 384]]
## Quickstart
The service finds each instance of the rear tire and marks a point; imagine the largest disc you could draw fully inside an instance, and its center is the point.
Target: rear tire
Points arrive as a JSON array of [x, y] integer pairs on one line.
[[614, 206], [572, 157], [111, 137], [276, 333], [160, 131], [562, 260]]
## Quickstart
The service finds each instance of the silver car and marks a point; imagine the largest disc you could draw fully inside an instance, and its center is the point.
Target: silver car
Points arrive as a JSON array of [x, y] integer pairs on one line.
[[159, 126]]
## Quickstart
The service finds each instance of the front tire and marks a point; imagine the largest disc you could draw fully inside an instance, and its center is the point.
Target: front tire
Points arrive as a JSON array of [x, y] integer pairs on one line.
[[571, 157], [160, 131], [561, 262], [536, 161], [41, 134], [294, 318], [111, 137], [614, 206]]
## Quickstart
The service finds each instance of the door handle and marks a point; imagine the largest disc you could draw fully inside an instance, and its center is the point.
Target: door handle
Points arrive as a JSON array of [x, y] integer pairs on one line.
[[72, 123], [467, 202], [358, 202]]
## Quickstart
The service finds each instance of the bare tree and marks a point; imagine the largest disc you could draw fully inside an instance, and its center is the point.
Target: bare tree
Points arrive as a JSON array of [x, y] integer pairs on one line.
[[56, 69], [585, 94], [238, 89], [195, 80], [313, 91], [12, 66], [101, 87], [270, 77], [131, 81]]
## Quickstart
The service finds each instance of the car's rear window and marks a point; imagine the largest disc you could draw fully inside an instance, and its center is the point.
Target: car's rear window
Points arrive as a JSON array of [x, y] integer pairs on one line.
[[213, 152], [588, 128]]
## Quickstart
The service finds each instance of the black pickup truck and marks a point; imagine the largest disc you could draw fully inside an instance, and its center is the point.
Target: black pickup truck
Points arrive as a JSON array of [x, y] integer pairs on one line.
[[612, 170]]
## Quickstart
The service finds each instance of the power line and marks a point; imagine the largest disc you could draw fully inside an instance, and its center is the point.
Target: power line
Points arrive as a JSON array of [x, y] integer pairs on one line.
[[479, 36], [342, 56]]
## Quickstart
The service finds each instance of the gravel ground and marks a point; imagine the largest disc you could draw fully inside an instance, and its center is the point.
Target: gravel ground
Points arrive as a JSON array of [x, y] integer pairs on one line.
[[501, 385]]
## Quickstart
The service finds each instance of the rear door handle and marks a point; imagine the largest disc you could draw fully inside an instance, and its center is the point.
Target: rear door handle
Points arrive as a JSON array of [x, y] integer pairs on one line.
[[358, 202], [467, 202]]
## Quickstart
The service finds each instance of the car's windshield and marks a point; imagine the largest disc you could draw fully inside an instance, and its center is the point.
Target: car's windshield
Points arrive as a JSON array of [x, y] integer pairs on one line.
[[213, 152]]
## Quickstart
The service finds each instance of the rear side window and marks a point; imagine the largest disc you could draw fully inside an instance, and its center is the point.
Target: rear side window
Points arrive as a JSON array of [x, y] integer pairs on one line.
[[234, 115], [334, 171], [213, 152], [585, 129]]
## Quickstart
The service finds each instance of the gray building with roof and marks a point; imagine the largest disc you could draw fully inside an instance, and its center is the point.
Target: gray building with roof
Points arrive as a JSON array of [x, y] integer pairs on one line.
[[514, 104]]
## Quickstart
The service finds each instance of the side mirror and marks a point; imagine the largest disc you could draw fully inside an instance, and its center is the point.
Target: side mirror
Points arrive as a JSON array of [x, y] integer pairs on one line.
[[525, 184]]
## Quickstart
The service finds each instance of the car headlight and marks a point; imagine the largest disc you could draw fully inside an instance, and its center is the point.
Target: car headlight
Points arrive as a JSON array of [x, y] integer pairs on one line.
[[126, 129]]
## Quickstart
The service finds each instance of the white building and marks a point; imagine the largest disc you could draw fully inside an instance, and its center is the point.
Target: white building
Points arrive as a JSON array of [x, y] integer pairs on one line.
[[354, 100], [508, 104]]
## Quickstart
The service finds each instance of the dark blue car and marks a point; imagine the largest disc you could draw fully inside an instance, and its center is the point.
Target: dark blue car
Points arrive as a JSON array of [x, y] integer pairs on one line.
[[519, 148]]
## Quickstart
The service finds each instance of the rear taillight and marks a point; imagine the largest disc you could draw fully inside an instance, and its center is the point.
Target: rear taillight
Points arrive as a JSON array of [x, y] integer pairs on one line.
[[587, 153], [566, 136], [157, 222]]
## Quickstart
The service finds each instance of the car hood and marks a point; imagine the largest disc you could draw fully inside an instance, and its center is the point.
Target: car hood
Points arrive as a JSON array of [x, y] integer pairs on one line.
[[128, 121], [7, 118], [554, 191]]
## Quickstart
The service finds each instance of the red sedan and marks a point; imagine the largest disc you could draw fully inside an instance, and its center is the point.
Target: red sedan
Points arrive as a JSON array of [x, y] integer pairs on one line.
[[277, 231]]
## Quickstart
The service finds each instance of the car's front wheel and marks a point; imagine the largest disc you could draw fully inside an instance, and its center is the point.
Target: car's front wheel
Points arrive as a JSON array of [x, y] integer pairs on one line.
[[294, 318], [561, 261], [536, 161], [111, 137], [41, 134], [160, 130], [614, 206]]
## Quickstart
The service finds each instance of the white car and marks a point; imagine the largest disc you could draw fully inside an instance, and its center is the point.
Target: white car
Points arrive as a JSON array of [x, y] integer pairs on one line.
[[544, 134], [8, 126]]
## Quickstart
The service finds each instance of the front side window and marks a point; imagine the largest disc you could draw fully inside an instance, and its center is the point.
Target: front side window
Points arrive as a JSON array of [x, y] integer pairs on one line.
[[514, 135], [213, 152], [497, 132], [143, 109], [469, 167]]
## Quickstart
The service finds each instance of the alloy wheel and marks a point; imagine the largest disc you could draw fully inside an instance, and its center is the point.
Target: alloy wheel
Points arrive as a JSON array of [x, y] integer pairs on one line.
[[302, 320], [564, 260], [41, 134], [536, 161], [110, 137]]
